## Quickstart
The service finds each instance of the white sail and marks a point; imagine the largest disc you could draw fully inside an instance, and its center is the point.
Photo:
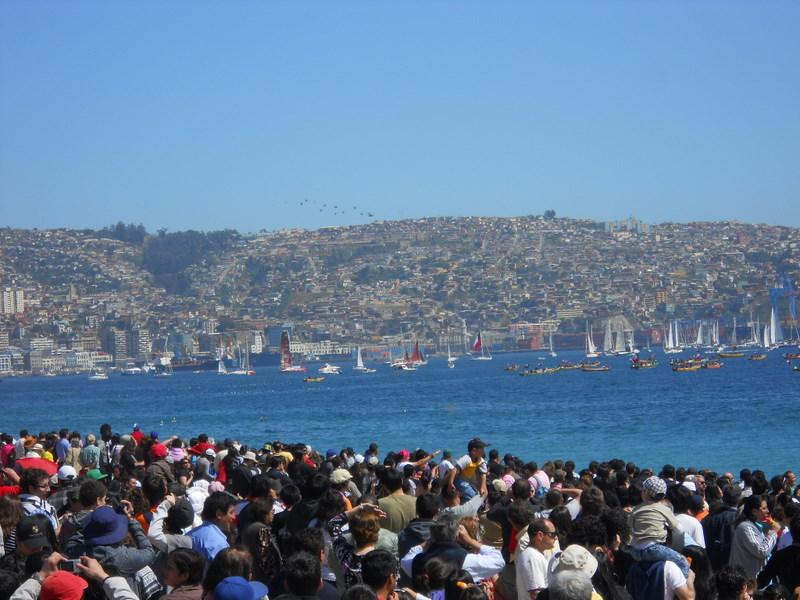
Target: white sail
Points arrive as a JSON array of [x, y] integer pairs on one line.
[[359, 360], [699, 339], [608, 338], [590, 347], [767, 341], [670, 337], [775, 331], [733, 334], [221, 368], [620, 345]]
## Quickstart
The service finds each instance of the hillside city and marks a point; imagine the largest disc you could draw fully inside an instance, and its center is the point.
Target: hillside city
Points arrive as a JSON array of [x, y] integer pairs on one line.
[[71, 299]]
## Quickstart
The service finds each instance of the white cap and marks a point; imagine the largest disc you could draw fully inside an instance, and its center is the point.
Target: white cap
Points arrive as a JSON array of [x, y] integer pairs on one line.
[[66, 473]]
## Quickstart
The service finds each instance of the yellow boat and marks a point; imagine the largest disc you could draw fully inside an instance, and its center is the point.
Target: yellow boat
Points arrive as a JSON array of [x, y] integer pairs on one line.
[[686, 368], [758, 357], [730, 354], [313, 379]]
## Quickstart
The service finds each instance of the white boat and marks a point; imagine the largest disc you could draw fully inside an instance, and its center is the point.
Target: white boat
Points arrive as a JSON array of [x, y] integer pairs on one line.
[[97, 375], [478, 346], [451, 361], [163, 367], [670, 343], [360, 367], [244, 363], [591, 349], [328, 369], [132, 370]]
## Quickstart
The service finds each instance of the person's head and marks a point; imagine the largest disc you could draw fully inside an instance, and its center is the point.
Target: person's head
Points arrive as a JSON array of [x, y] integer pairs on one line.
[[681, 498], [589, 532], [570, 585], [11, 513], [290, 495], [791, 478], [92, 494], [445, 528], [308, 540], [261, 510], [359, 592], [154, 488], [794, 527], [392, 480], [428, 506], [63, 433], [436, 574], [776, 591], [543, 534], [592, 501], [754, 508], [731, 583], [219, 507], [34, 534], [521, 489], [184, 567], [303, 573], [475, 448], [235, 561], [731, 495], [654, 489], [365, 528], [180, 516], [379, 570], [35, 482], [520, 514]]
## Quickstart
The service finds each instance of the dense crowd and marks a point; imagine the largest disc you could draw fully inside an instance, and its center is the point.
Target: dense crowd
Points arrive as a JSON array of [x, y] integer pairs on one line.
[[137, 516]]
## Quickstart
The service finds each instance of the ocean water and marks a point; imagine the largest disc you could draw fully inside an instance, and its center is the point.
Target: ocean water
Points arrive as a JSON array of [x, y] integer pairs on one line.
[[743, 415]]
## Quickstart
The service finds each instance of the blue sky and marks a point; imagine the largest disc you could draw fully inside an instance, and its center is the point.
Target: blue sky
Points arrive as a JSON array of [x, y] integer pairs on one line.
[[257, 115]]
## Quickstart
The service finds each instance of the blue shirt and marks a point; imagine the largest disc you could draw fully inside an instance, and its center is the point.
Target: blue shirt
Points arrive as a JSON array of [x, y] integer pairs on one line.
[[62, 445], [208, 540]]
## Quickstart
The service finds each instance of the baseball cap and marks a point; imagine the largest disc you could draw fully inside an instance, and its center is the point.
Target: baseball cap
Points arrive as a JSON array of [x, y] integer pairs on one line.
[[63, 585], [340, 476], [477, 443], [330, 453], [96, 474], [67, 473], [238, 588], [404, 454], [31, 533], [159, 451], [181, 515]]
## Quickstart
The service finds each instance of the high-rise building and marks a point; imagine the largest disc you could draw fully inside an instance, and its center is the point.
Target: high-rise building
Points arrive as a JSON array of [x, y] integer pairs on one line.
[[3, 340], [140, 346], [115, 342], [12, 301]]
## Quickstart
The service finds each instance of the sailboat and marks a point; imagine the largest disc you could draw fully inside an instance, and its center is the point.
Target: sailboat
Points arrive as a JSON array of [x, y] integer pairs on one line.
[[360, 363], [775, 331], [620, 343], [451, 361], [244, 364], [417, 358], [591, 349], [608, 340], [287, 362], [478, 346], [671, 346], [552, 352]]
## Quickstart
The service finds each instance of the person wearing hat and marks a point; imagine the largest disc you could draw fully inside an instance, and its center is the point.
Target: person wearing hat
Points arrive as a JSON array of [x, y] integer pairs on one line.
[[105, 532], [172, 519], [62, 482], [718, 526], [340, 481], [649, 523], [575, 558], [469, 472], [160, 466]]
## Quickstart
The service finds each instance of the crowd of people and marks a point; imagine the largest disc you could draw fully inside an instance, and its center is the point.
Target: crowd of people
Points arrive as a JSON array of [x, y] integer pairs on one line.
[[138, 516]]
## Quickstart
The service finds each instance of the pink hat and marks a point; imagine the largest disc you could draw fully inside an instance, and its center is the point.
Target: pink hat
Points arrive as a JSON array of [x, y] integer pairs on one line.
[[404, 454]]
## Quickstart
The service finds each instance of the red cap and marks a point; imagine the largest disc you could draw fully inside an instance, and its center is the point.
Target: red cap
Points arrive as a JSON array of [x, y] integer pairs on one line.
[[159, 451], [404, 454], [63, 585]]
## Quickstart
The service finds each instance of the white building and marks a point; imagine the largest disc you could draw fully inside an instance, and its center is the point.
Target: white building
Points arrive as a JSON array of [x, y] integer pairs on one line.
[[12, 301]]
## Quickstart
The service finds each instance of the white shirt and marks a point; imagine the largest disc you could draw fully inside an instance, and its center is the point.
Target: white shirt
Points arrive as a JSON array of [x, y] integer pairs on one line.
[[673, 579], [487, 563], [532, 573], [691, 526]]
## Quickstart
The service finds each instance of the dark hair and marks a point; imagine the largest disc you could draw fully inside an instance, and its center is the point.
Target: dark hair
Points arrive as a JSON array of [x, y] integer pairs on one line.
[[330, 504], [521, 513], [290, 494], [303, 574], [90, 492], [680, 497], [437, 572], [427, 506], [315, 486], [9, 582], [392, 479], [188, 562], [30, 478], [794, 526], [365, 528], [561, 518], [730, 581], [748, 506], [218, 502], [449, 493], [704, 587], [230, 562], [154, 488], [588, 531], [776, 591], [308, 540], [260, 510], [592, 501], [376, 567], [521, 489], [359, 592]]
